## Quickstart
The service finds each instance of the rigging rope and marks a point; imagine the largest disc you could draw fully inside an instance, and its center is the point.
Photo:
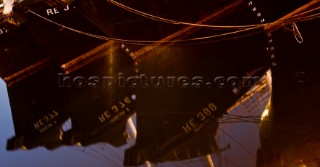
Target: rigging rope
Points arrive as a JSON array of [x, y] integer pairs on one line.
[[241, 145], [140, 41], [92, 155], [104, 156], [165, 20], [243, 28], [145, 42]]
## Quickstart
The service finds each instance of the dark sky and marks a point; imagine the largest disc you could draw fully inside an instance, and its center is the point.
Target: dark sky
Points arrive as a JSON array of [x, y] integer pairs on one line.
[[242, 151]]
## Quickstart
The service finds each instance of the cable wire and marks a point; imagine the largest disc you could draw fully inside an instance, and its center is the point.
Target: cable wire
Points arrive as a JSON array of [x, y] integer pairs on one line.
[[165, 20]]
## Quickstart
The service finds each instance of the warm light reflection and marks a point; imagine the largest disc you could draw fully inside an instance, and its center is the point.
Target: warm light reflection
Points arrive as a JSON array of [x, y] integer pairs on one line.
[[61, 134], [265, 114], [302, 165], [269, 79], [24, 148], [7, 6]]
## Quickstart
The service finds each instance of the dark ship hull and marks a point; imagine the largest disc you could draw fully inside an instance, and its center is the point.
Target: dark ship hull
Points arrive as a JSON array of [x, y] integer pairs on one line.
[[183, 89], [185, 77], [36, 102], [73, 85], [290, 134]]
